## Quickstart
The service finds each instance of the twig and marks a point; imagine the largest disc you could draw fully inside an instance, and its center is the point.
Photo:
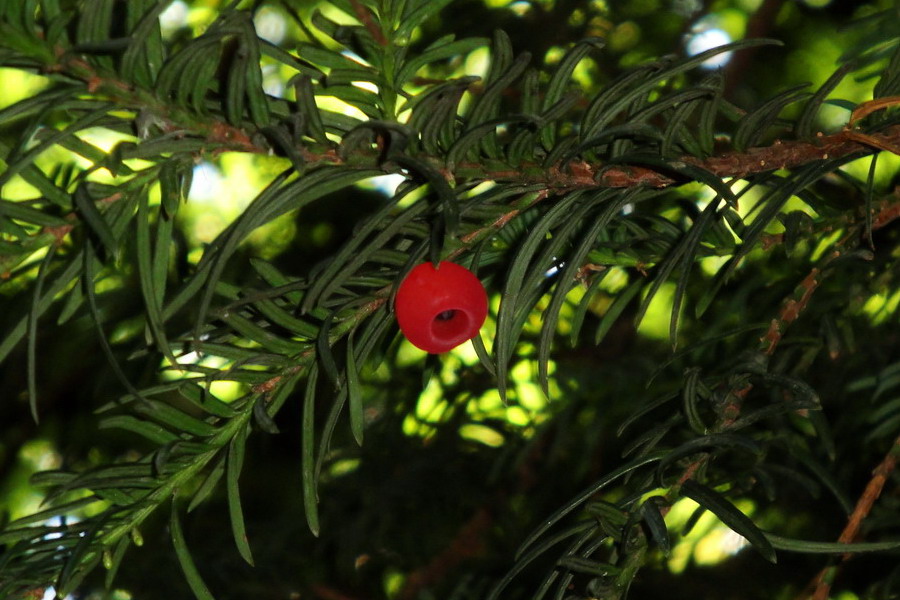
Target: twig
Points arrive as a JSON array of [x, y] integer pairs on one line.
[[790, 311], [758, 27], [324, 592], [578, 174], [872, 491], [876, 143], [565, 176], [469, 541], [870, 494], [365, 17], [780, 155], [887, 213], [867, 108], [791, 308]]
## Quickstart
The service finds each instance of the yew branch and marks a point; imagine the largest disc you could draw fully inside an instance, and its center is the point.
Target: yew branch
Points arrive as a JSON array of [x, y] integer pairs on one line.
[[823, 581]]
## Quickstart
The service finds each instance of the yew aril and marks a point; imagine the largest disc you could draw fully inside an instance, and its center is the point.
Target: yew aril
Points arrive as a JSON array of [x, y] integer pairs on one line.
[[440, 308]]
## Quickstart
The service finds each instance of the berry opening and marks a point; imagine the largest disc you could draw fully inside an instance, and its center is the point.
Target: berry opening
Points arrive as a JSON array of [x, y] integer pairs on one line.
[[449, 325]]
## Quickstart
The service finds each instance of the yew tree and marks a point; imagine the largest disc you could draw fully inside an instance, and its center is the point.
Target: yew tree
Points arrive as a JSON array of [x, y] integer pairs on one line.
[[687, 382]]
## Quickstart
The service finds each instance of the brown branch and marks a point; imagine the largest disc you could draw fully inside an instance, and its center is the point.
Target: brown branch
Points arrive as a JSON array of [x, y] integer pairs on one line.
[[872, 491], [790, 311], [578, 174], [870, 494], [780, 155], [217, 132], [758, 27], [876, 143], [792, 307], [867, 108], [469, 542], [365, 17], [887, 213], [324, 592], [573, 174]]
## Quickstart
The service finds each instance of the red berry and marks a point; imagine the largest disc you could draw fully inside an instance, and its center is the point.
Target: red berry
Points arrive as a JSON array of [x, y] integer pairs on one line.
[[439, 309]]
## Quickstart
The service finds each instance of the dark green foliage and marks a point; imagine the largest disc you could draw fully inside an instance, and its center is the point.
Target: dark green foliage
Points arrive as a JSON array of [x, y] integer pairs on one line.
[[592, 210]]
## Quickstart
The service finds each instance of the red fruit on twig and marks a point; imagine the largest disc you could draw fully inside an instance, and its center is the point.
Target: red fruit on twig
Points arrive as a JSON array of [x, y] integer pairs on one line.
[[439, 309]]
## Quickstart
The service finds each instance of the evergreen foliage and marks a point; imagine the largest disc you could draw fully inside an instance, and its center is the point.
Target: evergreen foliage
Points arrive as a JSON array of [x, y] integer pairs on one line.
[[587, 209]]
